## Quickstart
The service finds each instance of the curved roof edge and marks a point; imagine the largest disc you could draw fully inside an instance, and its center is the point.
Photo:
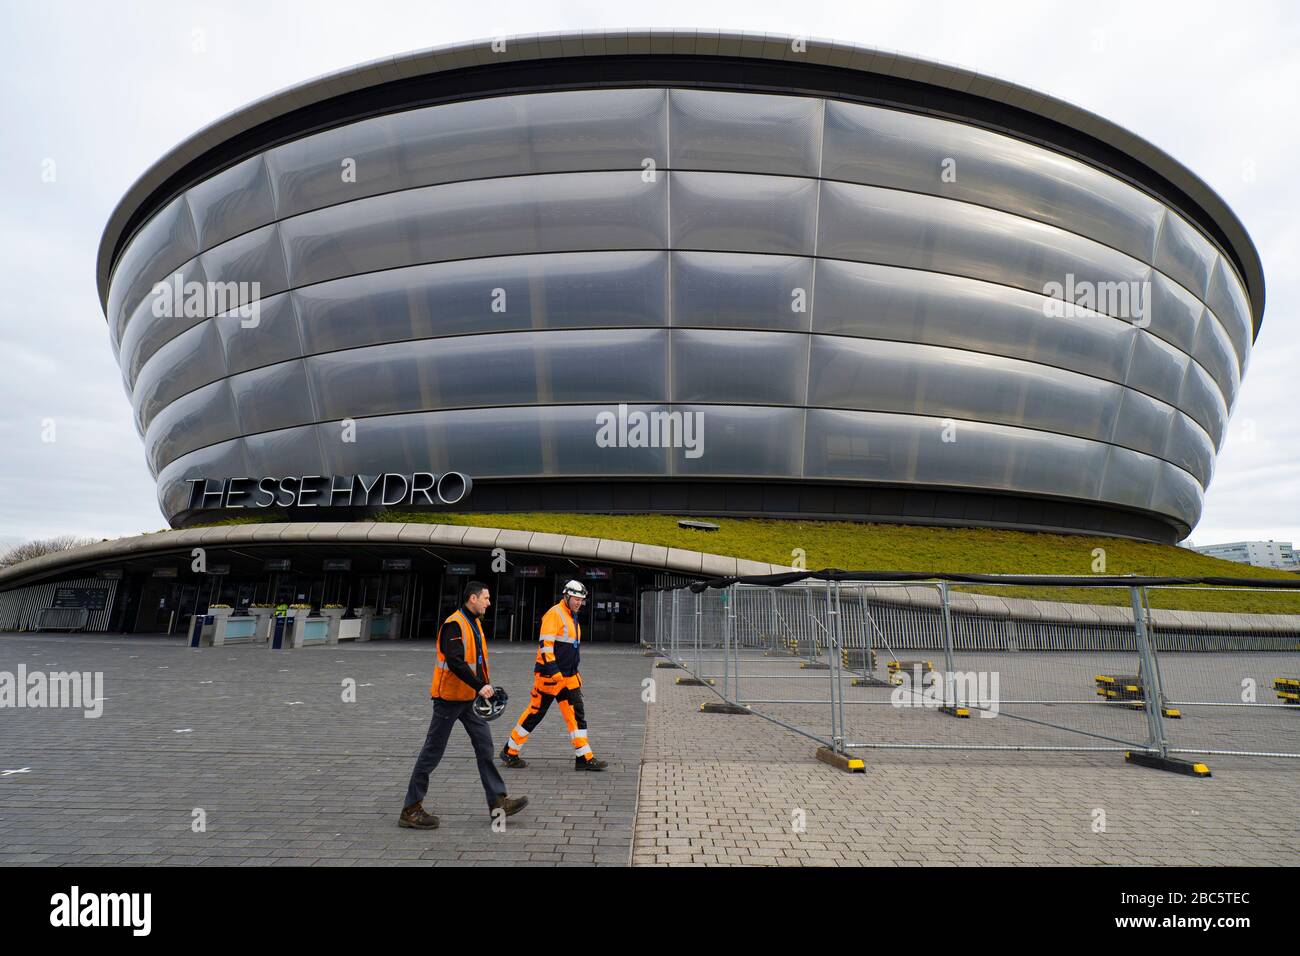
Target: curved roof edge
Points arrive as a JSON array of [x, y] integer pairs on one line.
[[652, 556], [697, 564], [655, 42]]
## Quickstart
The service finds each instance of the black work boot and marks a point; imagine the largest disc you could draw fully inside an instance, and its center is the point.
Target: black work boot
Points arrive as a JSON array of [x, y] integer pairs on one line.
[[513, 761], [415, 817], [511, 805], [589, 763]]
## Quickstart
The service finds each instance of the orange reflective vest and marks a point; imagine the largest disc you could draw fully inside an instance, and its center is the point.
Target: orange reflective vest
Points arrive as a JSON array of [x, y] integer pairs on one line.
[[558, 641], [447, 685]]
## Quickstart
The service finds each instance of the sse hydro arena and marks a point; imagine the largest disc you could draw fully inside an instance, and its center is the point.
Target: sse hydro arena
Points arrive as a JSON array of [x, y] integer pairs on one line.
[[679, 272]]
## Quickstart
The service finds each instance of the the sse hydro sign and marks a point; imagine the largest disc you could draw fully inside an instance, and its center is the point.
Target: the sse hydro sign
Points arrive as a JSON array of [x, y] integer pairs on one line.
[[330, 491]]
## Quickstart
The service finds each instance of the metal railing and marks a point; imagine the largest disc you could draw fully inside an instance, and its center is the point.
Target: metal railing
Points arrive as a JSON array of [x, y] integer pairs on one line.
[[62, 618], [864, 663]]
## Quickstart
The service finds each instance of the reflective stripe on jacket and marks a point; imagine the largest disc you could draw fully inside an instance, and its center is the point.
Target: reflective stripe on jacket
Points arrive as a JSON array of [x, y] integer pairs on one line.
[[558, 642]]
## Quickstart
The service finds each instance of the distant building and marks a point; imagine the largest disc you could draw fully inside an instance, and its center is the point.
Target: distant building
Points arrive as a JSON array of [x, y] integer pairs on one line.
[[1262, 554]]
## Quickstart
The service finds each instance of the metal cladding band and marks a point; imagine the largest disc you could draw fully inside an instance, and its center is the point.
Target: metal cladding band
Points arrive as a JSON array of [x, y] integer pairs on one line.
[[1095, 581]]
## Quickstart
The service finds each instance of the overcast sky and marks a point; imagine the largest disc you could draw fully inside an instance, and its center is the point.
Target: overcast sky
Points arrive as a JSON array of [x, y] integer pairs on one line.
[[103, 90]]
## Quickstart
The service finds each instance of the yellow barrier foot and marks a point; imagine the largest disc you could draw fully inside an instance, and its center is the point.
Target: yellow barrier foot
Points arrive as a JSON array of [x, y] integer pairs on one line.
[[841, 761], [694, 681], [719, 707], [672, 664], [955, 711], [1172, 764]]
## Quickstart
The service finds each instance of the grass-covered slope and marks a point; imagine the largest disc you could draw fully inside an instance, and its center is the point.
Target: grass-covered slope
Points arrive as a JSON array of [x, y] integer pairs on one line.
[[882, 547]]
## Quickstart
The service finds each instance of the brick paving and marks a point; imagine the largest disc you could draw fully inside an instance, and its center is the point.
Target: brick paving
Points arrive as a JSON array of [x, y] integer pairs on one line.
[[719, 790], [289, 774]]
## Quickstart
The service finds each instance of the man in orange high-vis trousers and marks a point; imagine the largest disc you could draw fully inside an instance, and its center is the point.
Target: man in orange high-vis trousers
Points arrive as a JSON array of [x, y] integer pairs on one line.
[[555, 678], [456, 683]]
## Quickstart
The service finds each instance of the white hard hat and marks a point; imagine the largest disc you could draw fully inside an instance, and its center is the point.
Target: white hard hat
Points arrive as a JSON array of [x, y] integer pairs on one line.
[[575, 589]]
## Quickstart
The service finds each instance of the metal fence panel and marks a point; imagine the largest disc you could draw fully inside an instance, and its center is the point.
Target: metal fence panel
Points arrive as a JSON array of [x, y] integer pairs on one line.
[[889, 665]]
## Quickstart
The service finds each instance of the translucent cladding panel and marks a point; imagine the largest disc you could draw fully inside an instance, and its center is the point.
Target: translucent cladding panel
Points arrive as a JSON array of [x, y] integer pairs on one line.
[[514, 368], [162, 244], [288, 451], [1184, 255], [235, 275], [744, 132], [866, 446], [1036, 462], [268, 337], [189, 271], [733, 440], [736, 290], [739, 367], [232, 202], [1177, 493], [501, 136], [1157, 368], [336, 166], [225, 460], [1174, 313], [875, 446], [889, 227], [955, 383], [1227, 300], [203, 417], [180, 302], [1214, 352], [885, 302], [1128, 478], [255, 259], [192, 359], [1145, 424], [742, 213], [883, 147], [1188, 446], [568, 289], [1200, 398], [542, 442], [581, 211], [273, 397]]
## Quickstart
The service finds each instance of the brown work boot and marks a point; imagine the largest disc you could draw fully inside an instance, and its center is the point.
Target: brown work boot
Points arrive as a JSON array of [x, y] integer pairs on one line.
[[511, 805], [589, 763], [415, 817]]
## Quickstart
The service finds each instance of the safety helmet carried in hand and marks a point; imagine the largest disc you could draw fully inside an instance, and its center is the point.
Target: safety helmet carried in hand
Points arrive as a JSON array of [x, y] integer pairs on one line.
[[575, 589], [490, 708]]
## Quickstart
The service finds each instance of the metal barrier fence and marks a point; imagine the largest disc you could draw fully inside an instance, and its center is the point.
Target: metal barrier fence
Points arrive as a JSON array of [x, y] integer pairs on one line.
[[856, 665], [62, 618]]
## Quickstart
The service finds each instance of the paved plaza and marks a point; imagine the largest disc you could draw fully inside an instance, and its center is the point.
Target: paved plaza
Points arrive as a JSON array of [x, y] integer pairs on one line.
[[285, 772]]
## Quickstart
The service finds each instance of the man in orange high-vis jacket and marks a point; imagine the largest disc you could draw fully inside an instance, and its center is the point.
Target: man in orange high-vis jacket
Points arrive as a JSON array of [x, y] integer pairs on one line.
[[456, 683], [556, 678]]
